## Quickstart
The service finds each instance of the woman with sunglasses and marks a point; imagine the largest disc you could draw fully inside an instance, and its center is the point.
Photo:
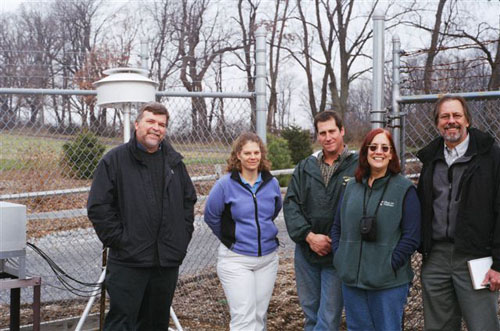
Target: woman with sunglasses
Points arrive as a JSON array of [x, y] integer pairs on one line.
[[240, 210], [375, 232]]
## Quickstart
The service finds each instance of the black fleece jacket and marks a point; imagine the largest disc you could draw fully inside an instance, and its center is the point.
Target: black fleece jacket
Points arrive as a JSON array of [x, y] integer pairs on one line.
[[478, 225], [121, 202]]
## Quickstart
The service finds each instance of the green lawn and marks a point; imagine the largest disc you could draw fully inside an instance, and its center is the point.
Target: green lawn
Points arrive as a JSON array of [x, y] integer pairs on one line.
[[23, 152]]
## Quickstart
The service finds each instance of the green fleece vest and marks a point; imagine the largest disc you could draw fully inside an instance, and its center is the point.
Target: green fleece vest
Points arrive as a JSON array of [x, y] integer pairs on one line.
[[367, 265]]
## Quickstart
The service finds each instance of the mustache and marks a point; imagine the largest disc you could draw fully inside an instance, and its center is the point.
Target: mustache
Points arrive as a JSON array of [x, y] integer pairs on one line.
[[452, 126], [153, 132]]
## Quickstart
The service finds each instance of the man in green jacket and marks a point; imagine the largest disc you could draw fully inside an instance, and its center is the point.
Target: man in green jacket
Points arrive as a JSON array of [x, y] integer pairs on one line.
[[309, 207]]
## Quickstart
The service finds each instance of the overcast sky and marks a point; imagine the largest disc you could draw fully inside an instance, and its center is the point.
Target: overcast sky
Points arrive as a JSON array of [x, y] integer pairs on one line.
[[486, 10]]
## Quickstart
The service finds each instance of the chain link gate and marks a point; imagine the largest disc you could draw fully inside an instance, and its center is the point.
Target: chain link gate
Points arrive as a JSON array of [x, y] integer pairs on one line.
[[34, 171]]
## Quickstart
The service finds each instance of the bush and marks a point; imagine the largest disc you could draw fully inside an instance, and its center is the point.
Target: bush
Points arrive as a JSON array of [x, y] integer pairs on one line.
[[279, 155], [299, 142], [82, 154]]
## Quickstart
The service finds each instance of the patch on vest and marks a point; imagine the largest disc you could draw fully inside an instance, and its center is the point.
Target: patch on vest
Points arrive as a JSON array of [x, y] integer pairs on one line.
[[387, 203]]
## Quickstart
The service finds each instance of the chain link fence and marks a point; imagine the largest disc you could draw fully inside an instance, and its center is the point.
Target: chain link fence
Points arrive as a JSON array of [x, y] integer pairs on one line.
[[419, 131], [34, 171], [420, 128], [48, 146]]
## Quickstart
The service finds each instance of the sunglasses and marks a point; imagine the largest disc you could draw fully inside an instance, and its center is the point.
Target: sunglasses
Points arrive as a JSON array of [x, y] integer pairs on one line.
[[374, 148]]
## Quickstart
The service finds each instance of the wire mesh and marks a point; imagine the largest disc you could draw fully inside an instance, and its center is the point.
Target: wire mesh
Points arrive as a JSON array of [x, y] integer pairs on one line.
[[33, 132], [420, 127], [421, 130], [49, 147]]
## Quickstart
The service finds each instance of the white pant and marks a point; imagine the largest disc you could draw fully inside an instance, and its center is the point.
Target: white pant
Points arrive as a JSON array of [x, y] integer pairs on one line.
[[248, 283]]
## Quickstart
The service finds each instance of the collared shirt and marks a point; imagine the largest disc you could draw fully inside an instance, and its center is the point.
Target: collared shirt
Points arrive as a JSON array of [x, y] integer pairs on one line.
[[255, 186], [452, 154], [328, 170]]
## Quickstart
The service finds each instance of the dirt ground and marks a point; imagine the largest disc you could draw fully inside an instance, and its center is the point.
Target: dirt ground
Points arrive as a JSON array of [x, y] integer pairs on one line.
[[200, 303], [202, 308]]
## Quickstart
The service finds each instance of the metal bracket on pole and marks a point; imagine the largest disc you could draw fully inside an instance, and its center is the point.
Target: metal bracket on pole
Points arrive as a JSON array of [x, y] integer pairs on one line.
[[394, 119]]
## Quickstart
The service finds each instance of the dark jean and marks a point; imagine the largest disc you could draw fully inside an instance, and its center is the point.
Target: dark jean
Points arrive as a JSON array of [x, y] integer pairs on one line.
[[140, 298], [320, 294], [374, 310]]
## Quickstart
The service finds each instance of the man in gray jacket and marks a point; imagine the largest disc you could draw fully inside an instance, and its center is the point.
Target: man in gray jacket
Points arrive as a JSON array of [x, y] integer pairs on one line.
[[141, 204], [309, 208], [459, 193]]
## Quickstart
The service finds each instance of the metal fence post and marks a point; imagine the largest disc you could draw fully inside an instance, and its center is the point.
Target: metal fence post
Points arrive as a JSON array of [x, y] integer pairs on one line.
[[377, 111], [144, 54], [127, 107], [396, 115], [260, 82]]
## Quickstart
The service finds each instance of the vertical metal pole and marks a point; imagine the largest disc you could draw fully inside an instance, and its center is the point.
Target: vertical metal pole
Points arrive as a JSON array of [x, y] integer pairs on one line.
[[144, 54], [377, 112], [86, 311], [36, 304], [102, 301], [396, 119], [15, 306], [126, 122], [260, 82]]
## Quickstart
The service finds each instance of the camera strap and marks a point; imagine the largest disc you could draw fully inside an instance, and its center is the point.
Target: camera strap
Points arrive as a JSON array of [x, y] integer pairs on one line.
[[379, 202]]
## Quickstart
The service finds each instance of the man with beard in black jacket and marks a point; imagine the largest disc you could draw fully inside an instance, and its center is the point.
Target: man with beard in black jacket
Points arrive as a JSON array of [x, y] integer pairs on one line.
[[459, 194], [141, 204]]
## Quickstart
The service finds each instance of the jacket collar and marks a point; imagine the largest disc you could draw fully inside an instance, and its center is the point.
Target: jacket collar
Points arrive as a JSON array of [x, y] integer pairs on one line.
[[480, 143], [266, 176], [379, 182], [313, 170], [172, 157]]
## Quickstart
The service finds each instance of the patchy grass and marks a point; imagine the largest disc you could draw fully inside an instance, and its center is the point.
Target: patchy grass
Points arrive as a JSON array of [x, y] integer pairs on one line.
[[18, 152]]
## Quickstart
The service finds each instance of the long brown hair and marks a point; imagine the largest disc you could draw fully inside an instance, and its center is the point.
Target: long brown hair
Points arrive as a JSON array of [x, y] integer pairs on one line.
[[233, 163], [363, 165]]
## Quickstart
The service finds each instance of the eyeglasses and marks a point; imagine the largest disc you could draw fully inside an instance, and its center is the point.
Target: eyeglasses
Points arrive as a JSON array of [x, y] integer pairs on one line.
[[374, 148], [447, 117]]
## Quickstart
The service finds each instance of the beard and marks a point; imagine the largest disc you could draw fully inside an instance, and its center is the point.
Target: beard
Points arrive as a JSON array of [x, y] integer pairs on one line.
[[455, 136]]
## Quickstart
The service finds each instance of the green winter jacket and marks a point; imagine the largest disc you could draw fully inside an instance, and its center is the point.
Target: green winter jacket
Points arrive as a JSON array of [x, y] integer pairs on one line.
[[310, 205], [363, 264]]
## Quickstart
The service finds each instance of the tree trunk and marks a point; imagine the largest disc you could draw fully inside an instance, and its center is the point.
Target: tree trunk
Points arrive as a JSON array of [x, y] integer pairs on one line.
[[433, 49]]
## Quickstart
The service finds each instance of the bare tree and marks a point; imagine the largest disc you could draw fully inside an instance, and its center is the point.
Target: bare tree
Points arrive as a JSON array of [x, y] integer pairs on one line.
[[433, 49], [332, 26], [8, 69], [418, 19], [200, 43], [38, 37], [165, 53], [247, 13], [484, 38], [277, 26], [286, 87]]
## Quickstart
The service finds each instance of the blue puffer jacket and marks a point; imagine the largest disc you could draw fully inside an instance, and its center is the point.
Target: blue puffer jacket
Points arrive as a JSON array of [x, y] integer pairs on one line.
[[243, 221]]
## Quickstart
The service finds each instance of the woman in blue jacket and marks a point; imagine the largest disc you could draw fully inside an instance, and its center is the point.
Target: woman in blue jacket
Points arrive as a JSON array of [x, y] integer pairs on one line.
[[375, 232], [240, 210]]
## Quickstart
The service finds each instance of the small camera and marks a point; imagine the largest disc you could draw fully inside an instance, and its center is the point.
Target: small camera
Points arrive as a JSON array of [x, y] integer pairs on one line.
[[368, 228]]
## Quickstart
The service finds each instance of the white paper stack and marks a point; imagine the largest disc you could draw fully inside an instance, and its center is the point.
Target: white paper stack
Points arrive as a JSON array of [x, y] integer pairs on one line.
[[478, 269]]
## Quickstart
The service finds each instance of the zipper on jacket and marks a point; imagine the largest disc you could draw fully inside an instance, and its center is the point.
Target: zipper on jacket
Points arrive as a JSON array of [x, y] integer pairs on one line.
[[359, 261], [361, 246], [450, 191], [257, 223], [254, 197]]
